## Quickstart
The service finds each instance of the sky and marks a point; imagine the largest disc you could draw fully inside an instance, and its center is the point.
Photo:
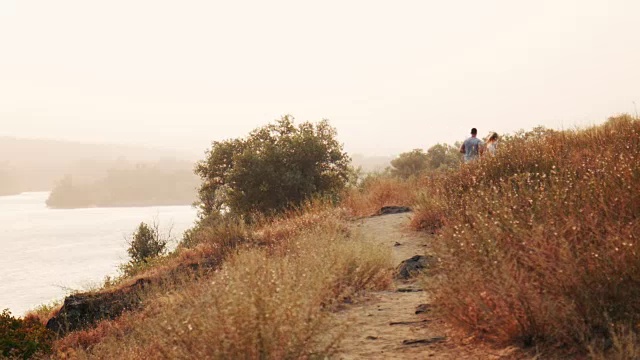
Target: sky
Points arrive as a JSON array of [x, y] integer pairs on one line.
[[391, 76]]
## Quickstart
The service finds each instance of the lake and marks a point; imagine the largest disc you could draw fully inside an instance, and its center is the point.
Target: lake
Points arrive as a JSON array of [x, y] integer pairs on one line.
[[47, 253]]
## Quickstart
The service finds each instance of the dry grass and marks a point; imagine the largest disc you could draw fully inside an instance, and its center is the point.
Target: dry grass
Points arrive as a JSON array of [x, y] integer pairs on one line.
[[540, 243], [270, 301], [430, 214], [45, 311], [623, 344], [378, 191]]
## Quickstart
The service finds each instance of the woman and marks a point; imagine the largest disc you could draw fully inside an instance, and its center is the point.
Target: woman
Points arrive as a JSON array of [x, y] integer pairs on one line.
[[492, 144]]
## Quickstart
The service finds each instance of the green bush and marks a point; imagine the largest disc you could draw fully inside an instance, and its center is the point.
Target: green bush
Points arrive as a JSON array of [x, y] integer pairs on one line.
[[23, 338], [276, 167], [146, 243]]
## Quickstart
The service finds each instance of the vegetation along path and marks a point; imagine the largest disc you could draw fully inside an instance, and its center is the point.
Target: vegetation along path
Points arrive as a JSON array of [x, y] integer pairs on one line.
[[398, 323]]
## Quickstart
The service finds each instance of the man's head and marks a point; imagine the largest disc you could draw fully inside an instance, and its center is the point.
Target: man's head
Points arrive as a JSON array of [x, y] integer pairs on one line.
[[474, 131]]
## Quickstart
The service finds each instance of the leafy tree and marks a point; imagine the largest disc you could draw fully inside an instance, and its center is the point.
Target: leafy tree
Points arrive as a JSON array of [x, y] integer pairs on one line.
[[410, 163], [276, 166], [417, 162], [146, 243], [443, 156]]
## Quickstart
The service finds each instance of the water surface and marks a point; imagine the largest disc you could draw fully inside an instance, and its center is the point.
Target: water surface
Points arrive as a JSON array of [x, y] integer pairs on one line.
[[46, 253]]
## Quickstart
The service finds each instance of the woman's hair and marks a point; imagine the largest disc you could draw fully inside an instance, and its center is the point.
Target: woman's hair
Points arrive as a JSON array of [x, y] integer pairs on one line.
[[493, 137]]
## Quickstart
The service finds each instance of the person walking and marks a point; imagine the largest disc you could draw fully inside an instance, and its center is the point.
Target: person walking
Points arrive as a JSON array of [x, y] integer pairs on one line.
[[472, 147], [492, 144]]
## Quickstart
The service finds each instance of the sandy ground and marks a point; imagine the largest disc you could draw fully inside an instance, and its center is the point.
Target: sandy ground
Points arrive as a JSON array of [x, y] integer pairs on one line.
[[385, 324]]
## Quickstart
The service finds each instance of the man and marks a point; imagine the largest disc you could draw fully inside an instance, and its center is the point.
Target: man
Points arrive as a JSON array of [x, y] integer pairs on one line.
[[472, 148]]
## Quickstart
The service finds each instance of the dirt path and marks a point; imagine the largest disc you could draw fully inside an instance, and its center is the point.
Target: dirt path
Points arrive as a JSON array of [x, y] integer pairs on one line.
[[385, 324]]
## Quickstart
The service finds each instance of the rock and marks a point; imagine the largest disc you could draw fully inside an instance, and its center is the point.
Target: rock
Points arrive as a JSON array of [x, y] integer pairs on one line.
[[423, 308], [408, 289], [409, 322], [82, 310], [413, 266], [397, 244], [386, 210], [433, 340]]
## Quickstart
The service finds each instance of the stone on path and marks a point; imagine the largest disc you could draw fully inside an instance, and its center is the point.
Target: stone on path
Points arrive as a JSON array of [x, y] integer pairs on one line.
[[413, 266], [386, 210]]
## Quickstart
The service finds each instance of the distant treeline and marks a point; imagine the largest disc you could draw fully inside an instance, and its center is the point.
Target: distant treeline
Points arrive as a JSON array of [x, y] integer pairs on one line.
[[38, 164], [140, 185], [8, 183]]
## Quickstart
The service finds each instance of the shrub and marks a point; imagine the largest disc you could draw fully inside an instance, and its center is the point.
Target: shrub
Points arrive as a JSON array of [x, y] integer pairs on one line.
[[23, 338], [429, 214], [146, 243], [276, 167]]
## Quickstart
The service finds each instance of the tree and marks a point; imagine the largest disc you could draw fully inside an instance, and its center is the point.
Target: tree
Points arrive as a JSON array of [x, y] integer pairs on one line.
[[443, 156], [411, 163], [146, 243], [417, 162], [277, 166]]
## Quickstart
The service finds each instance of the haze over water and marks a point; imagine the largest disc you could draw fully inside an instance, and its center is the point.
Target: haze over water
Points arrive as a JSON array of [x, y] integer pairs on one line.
[[46, 252]]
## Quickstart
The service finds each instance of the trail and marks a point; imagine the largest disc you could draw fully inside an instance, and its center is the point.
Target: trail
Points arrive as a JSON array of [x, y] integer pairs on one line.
[[385, 324]]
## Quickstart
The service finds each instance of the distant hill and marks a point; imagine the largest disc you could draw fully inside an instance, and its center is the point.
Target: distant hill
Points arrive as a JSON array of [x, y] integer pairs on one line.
[[37, 164], [371, 163], [161, 183], [8, 182]]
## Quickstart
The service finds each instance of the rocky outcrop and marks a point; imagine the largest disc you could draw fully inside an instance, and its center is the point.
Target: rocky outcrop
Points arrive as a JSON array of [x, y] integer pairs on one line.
[[82, 310]]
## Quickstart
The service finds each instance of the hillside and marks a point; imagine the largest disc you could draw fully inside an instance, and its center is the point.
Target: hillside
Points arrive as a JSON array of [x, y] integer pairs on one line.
[[531, 253]]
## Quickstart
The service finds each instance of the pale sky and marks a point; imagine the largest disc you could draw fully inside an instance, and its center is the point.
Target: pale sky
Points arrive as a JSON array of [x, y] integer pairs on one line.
[[389, 75]]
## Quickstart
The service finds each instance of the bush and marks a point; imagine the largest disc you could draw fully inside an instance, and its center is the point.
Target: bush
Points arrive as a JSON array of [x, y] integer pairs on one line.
[[23, 338], [429, 215], [540, 244], [146, 243], [276, 167]]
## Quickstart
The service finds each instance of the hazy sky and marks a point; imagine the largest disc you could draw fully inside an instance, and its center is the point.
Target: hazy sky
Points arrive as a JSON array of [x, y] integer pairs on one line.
[[389, 75]]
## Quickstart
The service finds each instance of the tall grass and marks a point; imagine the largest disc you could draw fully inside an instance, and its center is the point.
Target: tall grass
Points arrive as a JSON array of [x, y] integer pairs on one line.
[[539, 244], [265, 302], [378, 191]]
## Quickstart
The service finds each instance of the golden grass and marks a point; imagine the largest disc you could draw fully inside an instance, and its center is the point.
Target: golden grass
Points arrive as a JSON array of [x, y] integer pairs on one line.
[[540, 243], [624, 344], [267, 302], [379, 191]]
